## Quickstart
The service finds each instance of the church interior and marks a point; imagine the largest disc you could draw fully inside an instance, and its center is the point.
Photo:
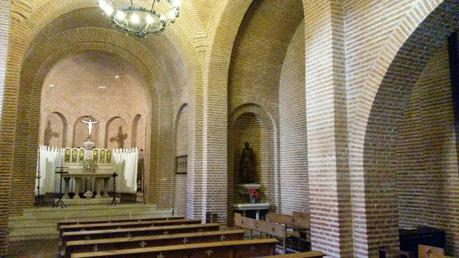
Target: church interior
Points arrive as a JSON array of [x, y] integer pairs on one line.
[[223, 128]]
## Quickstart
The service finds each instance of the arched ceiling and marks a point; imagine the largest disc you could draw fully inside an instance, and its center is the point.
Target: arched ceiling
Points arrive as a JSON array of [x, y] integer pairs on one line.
[[173, 50], [260, 46]]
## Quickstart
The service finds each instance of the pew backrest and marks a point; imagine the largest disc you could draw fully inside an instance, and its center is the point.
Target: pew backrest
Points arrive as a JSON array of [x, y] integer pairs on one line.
[[310, 254], [425, 251], [240, 248], [150, 241], [270, 228], [78, 222], [132, 232]]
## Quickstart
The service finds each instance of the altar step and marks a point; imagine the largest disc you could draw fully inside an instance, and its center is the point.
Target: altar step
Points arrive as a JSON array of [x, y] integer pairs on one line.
[[41, 223]]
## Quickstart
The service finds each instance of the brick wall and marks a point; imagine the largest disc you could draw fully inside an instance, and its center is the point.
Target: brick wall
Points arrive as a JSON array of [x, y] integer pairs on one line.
[[5, 176], [4, 28], [292, 128], [181, 148], [426, 156]]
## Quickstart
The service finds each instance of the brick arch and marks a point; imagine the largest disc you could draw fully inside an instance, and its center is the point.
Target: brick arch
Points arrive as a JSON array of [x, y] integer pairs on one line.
[[268, 123], [385, 114], [47, 54], [180, 34]]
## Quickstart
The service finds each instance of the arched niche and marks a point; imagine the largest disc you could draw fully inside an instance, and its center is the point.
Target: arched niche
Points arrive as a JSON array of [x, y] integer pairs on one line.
[[250, 123], [80, 131], [116, 135], [55, 130], [409, 166], [182, 132], [138, 132]]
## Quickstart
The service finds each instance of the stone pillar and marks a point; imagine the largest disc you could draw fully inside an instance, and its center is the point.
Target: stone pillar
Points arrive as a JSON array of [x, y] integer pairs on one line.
[[5, 178], [329, 190]]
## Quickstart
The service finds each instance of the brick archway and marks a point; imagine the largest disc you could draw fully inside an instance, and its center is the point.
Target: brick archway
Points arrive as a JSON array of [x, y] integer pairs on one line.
[[379, 178]]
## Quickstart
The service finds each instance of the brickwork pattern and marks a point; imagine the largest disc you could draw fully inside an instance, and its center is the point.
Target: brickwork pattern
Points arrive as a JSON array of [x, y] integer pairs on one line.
[[426, 154], [292, 128]]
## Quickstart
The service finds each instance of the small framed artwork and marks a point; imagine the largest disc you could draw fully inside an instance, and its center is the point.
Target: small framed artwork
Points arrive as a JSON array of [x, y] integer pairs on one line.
[[181, 164]]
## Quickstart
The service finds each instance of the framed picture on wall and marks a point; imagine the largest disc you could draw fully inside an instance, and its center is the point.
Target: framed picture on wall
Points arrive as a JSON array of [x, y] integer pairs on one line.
[[181, 164]]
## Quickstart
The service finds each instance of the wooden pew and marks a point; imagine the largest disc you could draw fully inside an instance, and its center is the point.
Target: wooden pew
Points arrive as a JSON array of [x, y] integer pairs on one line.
[[222, 249], [133, 232], [76, 222], [272, 229], [311, 254], [150, 241], [297, 227], [130, 224]]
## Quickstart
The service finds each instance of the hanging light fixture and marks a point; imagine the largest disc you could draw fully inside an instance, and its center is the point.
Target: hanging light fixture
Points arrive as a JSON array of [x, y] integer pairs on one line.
[[143, 19]]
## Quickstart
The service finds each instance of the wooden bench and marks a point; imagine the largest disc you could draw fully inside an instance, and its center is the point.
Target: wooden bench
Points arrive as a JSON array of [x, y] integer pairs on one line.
[[150, 241], [77, 222], [133, 232], [311, 254], [298, 221], [271, 229], [222, 249], [129, 224], [425, 251]]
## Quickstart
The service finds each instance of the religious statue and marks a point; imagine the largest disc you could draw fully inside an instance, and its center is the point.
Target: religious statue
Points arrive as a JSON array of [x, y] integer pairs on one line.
[[90, 123], [247, 165], [119, 138]]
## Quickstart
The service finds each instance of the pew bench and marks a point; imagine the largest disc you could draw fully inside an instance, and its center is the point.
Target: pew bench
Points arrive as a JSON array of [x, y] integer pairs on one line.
[[129, 224], [297, 228], [133, 232], [150, 241], [310, 254], [222, 249], [275, 230], [77, 222]]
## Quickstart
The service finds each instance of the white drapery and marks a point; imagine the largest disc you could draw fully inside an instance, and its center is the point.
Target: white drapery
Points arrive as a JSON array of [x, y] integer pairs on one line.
[[48, 159], [126, 164]]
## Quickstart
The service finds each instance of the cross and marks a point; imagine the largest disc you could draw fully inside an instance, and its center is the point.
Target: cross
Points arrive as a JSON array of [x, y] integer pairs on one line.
[[89, 122], [222, 238], [160, 256], [94, 248], [143, 244], [209, 252], [185, 240]]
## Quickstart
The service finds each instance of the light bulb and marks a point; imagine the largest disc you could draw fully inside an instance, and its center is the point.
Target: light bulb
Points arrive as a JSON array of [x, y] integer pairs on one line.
[[135, 18], [120, 15], [108, 10], [176, 3], [149, 19]]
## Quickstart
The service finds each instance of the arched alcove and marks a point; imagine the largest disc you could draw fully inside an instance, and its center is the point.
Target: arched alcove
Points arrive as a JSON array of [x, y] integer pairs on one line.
[[80, 131], [138, 132], [116, 135], [55, 130], [410, 160], [182, 145], [250, 123]]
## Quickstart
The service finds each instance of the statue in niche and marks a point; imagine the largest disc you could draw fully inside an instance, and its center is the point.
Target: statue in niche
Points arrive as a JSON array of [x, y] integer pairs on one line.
[[49, 133], [119, 138], [247, 165], [90, 124]]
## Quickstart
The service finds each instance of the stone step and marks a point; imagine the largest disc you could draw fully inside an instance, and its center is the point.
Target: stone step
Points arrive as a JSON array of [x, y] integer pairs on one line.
[[64, 213], [41, 223]]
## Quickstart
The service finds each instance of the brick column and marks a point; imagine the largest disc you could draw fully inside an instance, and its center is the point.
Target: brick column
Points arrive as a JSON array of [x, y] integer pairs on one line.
[[329, 191], [4, 177]]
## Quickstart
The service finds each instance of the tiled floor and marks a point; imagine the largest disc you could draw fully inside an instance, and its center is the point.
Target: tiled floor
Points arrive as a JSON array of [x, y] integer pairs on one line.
[[34, 249]]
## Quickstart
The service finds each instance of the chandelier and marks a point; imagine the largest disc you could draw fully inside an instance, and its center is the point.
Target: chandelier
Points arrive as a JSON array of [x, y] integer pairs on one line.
[[151, 17]]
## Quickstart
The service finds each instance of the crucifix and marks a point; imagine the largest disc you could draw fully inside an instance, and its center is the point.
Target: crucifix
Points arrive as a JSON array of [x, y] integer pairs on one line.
[[90, 123]]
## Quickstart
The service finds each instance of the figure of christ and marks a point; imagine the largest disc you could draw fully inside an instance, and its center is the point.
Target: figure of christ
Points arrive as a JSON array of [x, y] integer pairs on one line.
[[119, 138], [90, 123]]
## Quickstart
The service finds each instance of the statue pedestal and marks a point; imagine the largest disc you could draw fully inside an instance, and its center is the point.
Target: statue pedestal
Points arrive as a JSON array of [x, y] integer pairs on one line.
[[257, 207], [89, 144]]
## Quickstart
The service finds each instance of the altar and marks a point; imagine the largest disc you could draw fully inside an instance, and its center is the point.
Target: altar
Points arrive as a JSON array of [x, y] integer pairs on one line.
[[88, 170]]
